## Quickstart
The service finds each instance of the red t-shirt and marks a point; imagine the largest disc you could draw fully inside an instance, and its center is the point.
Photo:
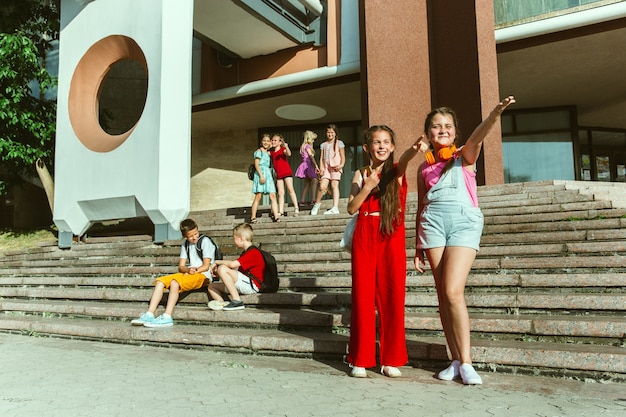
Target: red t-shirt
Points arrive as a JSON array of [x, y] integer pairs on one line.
[[281, 164], [252, 263]]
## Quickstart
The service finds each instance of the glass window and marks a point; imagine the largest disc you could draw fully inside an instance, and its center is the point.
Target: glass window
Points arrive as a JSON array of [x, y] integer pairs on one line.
[[538, 157], [533, 122], [621, 172], [603, 168], [507, 123], [608, 138], [585, 167]]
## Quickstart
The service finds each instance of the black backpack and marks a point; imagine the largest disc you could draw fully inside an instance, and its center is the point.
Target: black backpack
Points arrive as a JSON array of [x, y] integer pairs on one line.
[[270, 273], [218, 251]]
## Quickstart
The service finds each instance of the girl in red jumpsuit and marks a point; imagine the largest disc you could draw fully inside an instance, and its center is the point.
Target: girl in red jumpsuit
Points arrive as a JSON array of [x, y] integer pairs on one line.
[[379, 255]]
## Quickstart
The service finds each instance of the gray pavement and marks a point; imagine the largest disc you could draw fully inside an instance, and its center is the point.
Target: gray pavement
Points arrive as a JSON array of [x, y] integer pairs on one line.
[[58, 377]]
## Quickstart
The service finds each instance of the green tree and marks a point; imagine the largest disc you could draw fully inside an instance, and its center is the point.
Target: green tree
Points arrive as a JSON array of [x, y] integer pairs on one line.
[[27, 117]]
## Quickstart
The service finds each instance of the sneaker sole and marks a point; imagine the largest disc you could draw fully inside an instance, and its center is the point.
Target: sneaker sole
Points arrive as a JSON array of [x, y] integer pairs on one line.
[[392, 374], [472, 382], [152, 325], [216, 305], [234, 308]]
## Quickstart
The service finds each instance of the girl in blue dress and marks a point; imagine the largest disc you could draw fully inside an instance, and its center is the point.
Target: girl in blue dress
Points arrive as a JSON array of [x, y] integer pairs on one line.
[[263, 181]]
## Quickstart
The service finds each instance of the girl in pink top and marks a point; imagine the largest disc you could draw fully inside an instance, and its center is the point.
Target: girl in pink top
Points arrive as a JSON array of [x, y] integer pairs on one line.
[[332, 160], [449, 226]]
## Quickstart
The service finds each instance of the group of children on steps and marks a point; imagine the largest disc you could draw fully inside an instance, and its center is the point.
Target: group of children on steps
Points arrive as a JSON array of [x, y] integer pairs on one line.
[[448, 230]]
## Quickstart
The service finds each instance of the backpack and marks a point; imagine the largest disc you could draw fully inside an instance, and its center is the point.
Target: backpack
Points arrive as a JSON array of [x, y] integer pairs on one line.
[[270, 273], [218, 252]]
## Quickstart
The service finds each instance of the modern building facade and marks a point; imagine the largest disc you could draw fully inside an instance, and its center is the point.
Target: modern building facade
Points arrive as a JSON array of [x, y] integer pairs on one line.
[[560, 59], [259, 66]]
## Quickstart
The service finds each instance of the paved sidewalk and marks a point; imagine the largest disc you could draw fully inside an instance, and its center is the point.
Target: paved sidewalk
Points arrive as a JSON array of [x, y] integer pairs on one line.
[[46, 377]]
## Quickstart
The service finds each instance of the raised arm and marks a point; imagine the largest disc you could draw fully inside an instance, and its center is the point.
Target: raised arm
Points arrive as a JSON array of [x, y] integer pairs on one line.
[[419, 146], [474, 143]]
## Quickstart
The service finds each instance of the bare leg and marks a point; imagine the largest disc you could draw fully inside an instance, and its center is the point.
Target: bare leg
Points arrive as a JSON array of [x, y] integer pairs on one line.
[[292, 194], [255, 205], [305, 190], [322, 190], [229, 279], [274, 205], [453, 270], [215, 290], [313, 188], [172, 297], [435, 257], [280, 186], [157, 295], [335, 186]]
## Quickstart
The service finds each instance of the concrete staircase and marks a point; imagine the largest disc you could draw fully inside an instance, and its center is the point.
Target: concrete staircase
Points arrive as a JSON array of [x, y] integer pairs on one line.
[[547, 294]]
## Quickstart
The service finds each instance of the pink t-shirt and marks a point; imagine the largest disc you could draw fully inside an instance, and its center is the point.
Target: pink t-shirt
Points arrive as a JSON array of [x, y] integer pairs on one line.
[[432, 173]]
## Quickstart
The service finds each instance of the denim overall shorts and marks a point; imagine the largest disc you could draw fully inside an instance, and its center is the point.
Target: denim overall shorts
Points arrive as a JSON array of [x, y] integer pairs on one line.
[[449, 218]]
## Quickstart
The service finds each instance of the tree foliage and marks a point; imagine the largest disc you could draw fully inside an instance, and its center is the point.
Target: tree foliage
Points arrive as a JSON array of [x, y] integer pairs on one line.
[[27, 117]]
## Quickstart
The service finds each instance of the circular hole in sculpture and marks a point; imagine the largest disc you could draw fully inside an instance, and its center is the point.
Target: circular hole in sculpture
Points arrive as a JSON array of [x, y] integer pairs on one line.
[[122, 97], [108, 93]]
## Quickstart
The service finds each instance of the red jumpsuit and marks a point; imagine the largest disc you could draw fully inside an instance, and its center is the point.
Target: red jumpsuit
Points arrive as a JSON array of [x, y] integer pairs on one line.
[[281, 164], [378, 284]]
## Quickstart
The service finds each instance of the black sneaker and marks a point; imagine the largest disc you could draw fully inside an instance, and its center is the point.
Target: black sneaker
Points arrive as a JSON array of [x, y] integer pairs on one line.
[[234, 305]]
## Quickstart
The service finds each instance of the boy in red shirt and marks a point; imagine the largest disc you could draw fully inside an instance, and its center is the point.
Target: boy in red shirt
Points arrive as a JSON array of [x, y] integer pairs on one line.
[[243, 275]]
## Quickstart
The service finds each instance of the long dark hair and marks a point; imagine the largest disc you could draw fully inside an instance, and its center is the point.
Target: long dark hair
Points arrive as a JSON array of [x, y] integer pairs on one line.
[[389, 198], [334, 128]]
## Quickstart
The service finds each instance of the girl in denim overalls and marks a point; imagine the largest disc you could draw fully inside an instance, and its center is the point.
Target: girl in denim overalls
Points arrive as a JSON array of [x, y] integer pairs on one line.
[[379, 255], [449, 226]]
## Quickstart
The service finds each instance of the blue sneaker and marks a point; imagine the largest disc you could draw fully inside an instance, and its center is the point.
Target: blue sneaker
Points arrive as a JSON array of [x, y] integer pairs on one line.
[[164, 320], [146, 317]]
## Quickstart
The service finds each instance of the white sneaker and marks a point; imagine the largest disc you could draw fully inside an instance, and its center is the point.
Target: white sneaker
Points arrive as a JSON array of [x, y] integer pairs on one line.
[[390, 371], [469, 375], [358, 372], [332, 210], [217, 305], [451, 372], [315, 209]]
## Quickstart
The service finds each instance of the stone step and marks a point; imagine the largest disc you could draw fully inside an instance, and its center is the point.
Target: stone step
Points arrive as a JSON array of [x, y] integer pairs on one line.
[[295, 249], [596, 359], [476, 280], [497, 301], [533, 199], [611, 329], [546, 291], [339, 262], [572, 256], [529, 325]]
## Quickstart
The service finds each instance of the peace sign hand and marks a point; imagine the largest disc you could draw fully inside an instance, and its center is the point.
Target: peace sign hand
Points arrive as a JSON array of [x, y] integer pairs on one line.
[[371, 180]]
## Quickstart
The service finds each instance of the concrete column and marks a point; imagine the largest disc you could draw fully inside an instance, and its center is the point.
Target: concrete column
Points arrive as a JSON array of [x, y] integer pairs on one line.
[[395, 75], [465, 72]]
